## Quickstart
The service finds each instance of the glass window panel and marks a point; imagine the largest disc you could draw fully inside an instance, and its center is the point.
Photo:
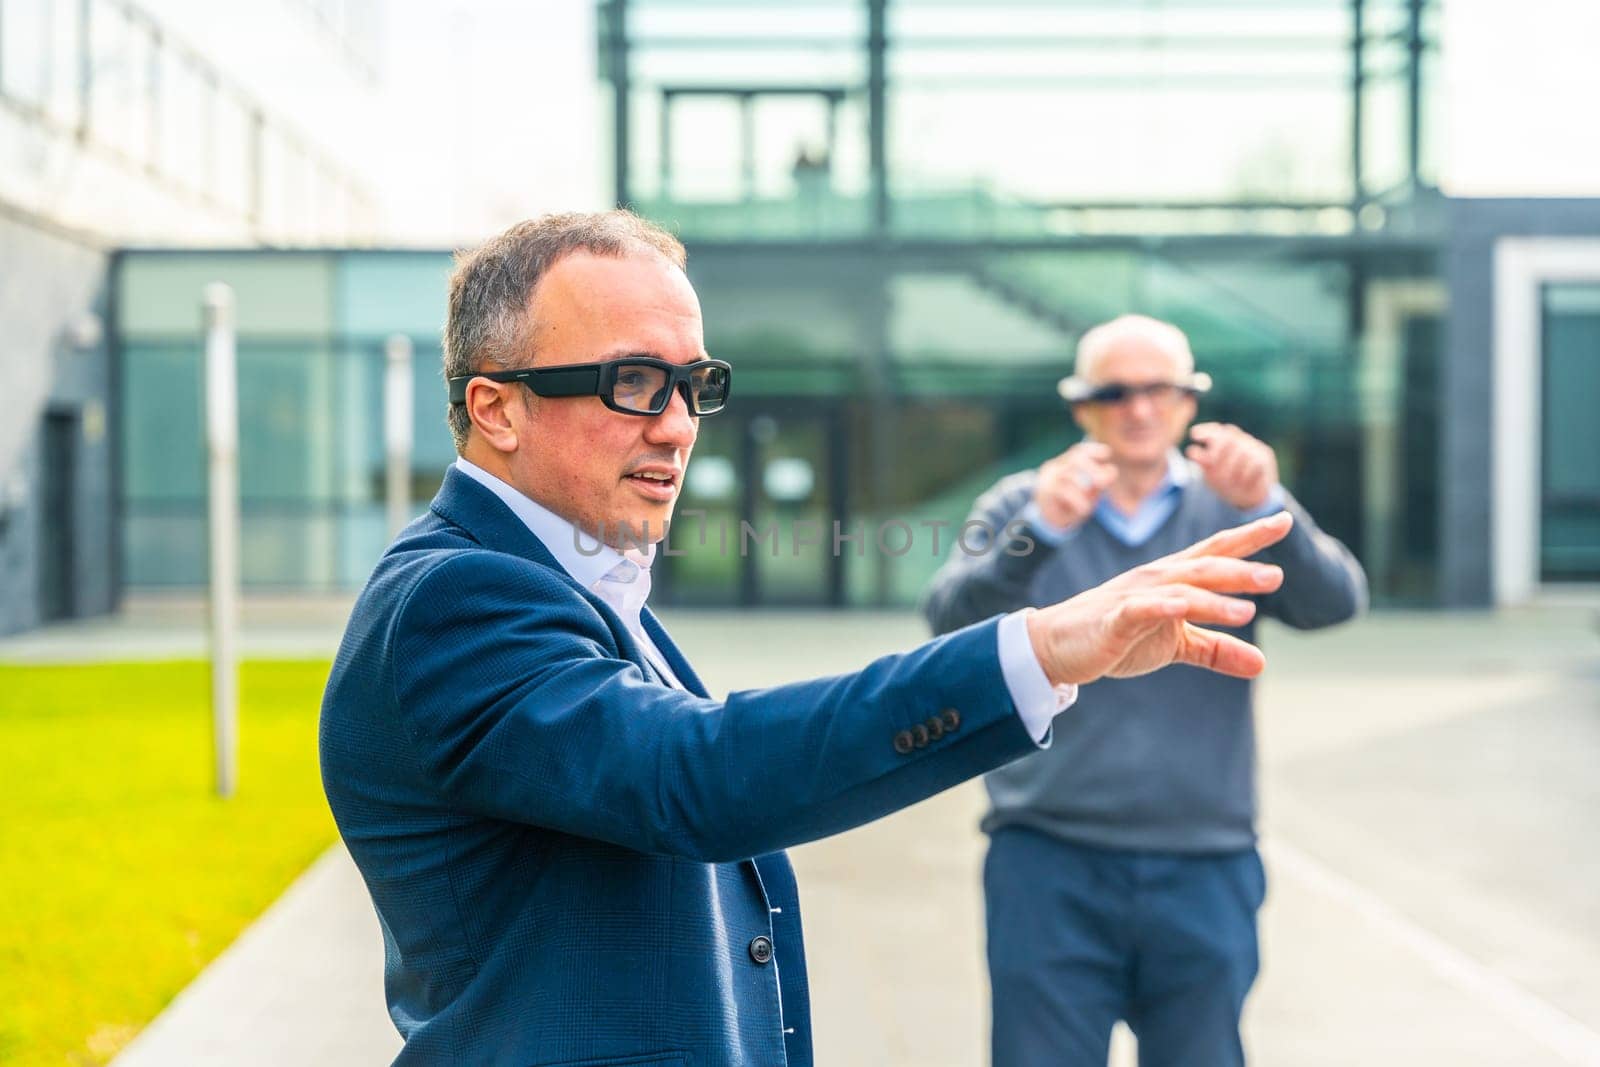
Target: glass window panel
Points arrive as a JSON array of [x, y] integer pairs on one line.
[[1383, 126], [164, 546], [119, 103], [61, 57], [1116, 144], [1570, 513], [182, 121], [25, 72], [276, 295], [950, 317], [355, 408], [272, 183], [704, 568], [706, 163], [288, 548], [831, 19], [163, 452], [383, 293], [287, 423], [793, 494], [432, 449], [230, 152], [363, 535]]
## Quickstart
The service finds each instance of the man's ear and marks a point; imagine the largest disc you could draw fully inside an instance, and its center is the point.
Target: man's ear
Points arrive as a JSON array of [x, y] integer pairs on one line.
[[488, 406], [1077, 417]]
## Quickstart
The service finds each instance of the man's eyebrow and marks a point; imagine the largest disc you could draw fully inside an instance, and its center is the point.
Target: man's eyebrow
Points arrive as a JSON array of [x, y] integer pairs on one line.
[[626, 352]]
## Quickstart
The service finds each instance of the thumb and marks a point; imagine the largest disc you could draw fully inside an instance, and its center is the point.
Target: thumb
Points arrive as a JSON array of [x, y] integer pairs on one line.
[[1220, 652]]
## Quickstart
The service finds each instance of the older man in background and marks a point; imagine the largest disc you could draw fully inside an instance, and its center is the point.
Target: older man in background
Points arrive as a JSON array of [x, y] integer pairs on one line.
[[1122, 880]]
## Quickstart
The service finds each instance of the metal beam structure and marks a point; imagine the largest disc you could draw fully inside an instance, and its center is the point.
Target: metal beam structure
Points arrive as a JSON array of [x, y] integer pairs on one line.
[[878, 113], [1358, 79]]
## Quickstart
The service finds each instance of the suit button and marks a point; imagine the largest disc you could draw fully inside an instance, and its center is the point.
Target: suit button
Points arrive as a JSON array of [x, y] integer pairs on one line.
[[761, 949], [919, 735], [935, 728], [952, 720], [903, 742]]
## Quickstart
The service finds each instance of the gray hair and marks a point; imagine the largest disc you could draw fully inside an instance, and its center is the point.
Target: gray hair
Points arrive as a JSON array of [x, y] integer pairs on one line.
[[1162, 335], [491, 289]]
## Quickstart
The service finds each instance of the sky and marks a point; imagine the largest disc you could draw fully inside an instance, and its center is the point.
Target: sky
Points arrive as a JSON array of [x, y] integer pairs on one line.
[[492, 115], [1522, 91]]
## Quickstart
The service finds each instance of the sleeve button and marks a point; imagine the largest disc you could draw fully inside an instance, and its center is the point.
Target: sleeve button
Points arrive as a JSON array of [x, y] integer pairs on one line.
[[903, 742]]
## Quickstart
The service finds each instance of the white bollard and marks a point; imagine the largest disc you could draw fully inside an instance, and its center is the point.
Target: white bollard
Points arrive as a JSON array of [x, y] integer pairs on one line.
[[222, 461], [397, 442]]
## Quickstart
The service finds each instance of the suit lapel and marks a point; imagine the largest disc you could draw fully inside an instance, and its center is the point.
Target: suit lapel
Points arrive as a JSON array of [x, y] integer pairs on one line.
[[675, 659], [464, 503], [774, 867]]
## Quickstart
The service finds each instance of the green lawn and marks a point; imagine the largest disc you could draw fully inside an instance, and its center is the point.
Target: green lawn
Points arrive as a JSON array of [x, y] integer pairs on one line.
[[121, 875]]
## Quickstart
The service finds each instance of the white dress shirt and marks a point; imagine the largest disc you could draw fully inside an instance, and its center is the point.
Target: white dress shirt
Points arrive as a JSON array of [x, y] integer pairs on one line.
[[622, 580]]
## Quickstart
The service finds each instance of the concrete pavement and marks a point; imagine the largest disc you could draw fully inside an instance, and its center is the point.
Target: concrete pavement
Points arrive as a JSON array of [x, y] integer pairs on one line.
[[1431, 830]]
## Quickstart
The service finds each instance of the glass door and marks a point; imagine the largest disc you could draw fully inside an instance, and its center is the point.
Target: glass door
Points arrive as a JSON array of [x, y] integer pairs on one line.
[[794, 495], [754, 526], [1569, 491]]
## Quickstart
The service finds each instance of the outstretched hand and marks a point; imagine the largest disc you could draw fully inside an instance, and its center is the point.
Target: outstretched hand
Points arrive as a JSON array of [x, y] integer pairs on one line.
[[1143, 619]]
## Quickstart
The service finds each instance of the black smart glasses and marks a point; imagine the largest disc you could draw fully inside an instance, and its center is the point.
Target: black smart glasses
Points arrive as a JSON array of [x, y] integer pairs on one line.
[[633, 385], [1075, 390], [1122, 392]]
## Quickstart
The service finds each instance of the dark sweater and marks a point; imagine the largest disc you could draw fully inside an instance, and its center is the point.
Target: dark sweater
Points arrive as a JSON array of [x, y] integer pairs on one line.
[[1166, 761]]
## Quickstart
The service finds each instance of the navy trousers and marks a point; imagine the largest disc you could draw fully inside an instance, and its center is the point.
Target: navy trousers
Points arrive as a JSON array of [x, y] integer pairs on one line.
[[1081, 937]]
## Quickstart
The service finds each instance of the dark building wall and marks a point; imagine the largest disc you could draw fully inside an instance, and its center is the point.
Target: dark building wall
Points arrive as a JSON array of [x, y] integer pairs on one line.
[[57, 441], [1466, 399]]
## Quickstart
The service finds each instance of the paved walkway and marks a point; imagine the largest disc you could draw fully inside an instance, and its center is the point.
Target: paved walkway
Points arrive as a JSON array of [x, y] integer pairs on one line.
[[1432, 834]]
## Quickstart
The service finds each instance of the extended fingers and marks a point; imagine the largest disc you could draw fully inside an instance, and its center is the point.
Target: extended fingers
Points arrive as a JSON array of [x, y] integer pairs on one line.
[[1241, 541], [1220, 574], [1138, 611], [1205, 606]]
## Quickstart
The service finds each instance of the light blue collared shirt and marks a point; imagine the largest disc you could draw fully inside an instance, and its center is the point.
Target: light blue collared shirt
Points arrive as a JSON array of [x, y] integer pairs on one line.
[[622, 580]]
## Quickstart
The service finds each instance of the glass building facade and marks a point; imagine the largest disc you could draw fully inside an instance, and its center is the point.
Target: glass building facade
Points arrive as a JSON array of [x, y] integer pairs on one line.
[[900, 217], [311, 333], [112, 122]]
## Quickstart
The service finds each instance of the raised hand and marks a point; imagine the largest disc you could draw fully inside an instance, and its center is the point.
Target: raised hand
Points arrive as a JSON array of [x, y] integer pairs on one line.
[[1071, 483], [1238, 468], [1143, 619]]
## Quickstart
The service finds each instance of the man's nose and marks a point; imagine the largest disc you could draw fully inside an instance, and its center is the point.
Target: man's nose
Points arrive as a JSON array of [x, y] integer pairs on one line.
[[1139, 406], [675, 425]]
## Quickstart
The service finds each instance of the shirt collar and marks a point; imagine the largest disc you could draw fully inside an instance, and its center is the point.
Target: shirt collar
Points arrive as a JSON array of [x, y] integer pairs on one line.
[[1178, 472], [591, 562], [1178, 475]]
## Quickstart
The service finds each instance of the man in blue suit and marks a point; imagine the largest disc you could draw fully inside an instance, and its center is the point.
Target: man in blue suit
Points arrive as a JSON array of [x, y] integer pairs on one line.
[[575, 854]]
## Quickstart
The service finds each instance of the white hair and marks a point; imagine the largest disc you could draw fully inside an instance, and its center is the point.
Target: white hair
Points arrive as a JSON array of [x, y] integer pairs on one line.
[[1162, 335]]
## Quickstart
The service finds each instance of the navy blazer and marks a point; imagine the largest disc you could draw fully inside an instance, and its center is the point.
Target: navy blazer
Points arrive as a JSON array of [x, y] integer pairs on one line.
[[559, 845]]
